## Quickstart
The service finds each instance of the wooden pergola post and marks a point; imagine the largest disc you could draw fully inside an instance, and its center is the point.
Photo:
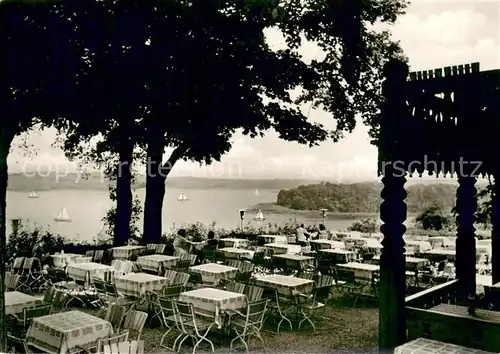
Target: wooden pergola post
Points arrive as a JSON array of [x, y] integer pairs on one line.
[[392, 317], [495, 234]]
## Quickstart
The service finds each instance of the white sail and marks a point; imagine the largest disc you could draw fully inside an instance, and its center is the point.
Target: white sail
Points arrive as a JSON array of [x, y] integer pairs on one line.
[[257, 192], [182, 198], [259, 216], [63, 216], [33, 194]]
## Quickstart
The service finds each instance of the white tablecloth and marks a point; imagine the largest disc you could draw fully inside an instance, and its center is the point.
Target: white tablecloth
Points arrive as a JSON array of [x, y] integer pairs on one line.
[[126, 252], [152, 262], [213, 272], [79, 271], [61, 332], [16, 301], [136, 284]]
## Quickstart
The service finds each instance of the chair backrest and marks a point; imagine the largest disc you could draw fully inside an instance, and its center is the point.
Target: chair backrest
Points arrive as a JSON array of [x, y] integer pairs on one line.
[[246, 267], [135, 321], [125, 347], [60, 299], [12, 282], [110, 289], [101, 342], [235, 287], [185, 316], [183, 265], [17, 266], [36, 311], [172, 290], [160, 249], [99, 286], [170, 275], [115, 314], [98, 256], [234, 263], [255, 314], [49, 294], [253, 292], [151, 247], [181, 279], [188, 257]]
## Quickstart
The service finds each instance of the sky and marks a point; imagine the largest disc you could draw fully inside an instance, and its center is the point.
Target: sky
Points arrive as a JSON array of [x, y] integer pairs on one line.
[[432, 34]]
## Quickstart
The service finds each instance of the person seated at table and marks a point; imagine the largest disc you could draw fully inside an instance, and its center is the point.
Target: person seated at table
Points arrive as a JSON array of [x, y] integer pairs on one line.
[[302, 235], [323, 233], [181, 243], [209, 247]]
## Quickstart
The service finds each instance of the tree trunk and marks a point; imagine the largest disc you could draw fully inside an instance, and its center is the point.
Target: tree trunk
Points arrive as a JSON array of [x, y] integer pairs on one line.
[[124, 201], [155, 191], [5, 141]]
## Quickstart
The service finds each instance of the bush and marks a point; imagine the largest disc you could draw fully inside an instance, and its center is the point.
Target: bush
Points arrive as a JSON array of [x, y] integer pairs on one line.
[[433, 219], [39, 242], [366, 226]]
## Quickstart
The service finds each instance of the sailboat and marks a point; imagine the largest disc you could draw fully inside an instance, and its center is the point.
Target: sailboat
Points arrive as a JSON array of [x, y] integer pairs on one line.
[[182, 198], [33, 195], [259, 216], [63, 216], [256, 193]]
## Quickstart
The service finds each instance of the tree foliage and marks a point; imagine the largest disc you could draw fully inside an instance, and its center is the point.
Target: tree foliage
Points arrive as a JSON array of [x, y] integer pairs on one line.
[[366, 226], [433, 218], [363, 197]]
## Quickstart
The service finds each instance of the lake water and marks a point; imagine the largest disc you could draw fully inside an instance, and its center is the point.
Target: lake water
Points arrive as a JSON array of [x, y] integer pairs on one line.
[[87, 207]]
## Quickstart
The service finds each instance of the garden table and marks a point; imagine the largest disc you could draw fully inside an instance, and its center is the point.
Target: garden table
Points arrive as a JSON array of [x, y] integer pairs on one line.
[[136, 284], [449, 254], [214, 302], [234, 242], [412, 263], [154, 261], [340, 256], [86, 272], [66, 332], [286, 285], [329, 244], [214, 273], [280, 248], [425, 346], [61, 260], [127, 252], [231, 252], [294, 261], [16, 301], [362, 271], [273, 239]]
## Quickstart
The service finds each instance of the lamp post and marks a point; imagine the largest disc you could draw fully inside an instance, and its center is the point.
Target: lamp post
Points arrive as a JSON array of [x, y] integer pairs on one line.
[[242, 217], [323, 214], [15, 226]]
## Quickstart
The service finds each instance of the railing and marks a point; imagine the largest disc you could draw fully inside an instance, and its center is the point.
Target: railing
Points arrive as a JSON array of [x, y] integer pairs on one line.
[[451, 322]]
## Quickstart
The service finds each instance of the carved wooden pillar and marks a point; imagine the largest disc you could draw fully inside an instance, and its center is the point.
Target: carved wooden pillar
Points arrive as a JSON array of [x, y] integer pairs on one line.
[[466, 244], [392, 319], [495, 234]]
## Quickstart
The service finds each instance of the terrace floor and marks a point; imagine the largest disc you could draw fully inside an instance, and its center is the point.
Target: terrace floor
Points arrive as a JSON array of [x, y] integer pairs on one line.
[[344, 330]]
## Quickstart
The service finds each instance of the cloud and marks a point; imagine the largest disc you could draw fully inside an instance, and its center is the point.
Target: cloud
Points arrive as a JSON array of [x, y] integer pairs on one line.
[[433, 34]]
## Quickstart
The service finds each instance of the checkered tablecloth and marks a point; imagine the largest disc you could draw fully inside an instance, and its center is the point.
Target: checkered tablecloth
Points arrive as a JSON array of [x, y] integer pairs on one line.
[[231, 252], [234, 242], [362, 271], [152, 262], [16, 301], [214, 273], [425, 346], [328, 244], [64, 331], [286, 285], [280, 248], [340, 256], [79, 271], [294, 261], [214, 302], [61, 260], [127, 252], [136, 284], [273, 239]]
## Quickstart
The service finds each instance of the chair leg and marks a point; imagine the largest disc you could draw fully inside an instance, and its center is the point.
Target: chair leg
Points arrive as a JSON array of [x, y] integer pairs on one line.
[[204, 338], [241, 338], [306, 318]]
